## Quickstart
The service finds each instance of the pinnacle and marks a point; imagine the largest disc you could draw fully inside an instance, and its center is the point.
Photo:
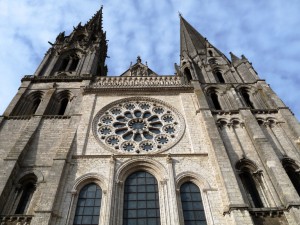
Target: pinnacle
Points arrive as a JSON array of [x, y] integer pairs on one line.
[[96, 20], [234, 58]]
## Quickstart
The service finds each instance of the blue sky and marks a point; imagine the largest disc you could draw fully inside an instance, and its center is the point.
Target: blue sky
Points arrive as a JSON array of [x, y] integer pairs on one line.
[[266, 32]]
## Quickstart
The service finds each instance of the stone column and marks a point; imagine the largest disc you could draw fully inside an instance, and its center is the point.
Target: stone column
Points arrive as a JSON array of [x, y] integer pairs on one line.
[[172, 194]]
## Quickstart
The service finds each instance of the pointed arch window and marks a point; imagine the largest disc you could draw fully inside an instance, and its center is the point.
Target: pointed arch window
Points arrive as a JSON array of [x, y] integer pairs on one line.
[[292, 171], [192, 206], [188, 74], [59, 103], [28, 104], [220, 77], [251, 189], [26, 193], [246, 97], [69, 63], [35, 105], [215, 100], [141, 201], [251, 180], [63, 106], [23, 194], [88, 205]]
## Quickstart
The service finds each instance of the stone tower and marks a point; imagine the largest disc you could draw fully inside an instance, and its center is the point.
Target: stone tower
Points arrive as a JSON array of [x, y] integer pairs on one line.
[[212, 144]]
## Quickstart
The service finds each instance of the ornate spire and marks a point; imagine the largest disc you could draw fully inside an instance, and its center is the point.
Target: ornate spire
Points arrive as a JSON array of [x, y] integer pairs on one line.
[[191, 41], [95, 23]]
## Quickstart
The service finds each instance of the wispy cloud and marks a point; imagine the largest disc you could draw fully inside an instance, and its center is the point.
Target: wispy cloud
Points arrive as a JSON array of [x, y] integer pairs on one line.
[[265, 31]]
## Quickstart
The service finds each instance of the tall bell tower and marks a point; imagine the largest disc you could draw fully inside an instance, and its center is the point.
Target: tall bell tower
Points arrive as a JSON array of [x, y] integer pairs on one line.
[[82, 53], [210, 145], [254, 135]]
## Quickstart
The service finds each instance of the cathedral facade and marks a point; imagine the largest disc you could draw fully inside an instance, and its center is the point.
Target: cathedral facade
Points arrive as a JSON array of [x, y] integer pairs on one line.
[[210, 145]]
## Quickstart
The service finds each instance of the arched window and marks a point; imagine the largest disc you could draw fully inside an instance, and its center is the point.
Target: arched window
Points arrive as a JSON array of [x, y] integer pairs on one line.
[[69, 63], [64, 64], [27, 192], [210, 53], [59, 103], [35, 105], [215, 100], [192, 206], [88, 205], [246, 98], [141, 202], [251, 183], [251, 189], [74, 63], [220, 77], [28, 104], [63, 105], [292, 171], [188, 74]]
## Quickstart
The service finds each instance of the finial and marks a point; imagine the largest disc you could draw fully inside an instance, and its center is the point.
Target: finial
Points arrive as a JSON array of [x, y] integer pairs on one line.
[[179, 14], [138, 60]]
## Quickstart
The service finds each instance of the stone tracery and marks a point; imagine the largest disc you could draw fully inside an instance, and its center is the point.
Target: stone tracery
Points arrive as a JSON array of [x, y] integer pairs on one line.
[[138, 125]]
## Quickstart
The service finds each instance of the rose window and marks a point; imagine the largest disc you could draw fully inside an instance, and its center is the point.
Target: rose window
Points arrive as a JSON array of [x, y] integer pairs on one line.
[[138, 125]]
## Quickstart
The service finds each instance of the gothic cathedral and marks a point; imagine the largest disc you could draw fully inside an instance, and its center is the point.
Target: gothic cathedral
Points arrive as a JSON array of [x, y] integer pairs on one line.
[[210, 145]]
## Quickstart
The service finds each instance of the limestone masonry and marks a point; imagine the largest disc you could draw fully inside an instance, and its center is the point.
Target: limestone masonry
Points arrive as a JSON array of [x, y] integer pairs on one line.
[[212, 144]]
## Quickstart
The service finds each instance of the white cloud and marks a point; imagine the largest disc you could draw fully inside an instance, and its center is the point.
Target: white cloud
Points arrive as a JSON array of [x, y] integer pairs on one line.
[[265, 31]]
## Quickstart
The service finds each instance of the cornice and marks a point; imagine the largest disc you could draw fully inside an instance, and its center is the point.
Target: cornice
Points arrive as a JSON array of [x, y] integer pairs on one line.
[[59, 78], [149, 155], [138, 83]]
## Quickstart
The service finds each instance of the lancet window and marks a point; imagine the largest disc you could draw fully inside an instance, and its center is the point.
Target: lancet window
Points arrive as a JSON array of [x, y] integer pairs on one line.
[[215, 100], [246, 98], [88, 205], [69, 63], [28, 104], [251, 182], [293, 172], [192, 206], [188, 74], [23, 194], [141, 201], [59, 103]]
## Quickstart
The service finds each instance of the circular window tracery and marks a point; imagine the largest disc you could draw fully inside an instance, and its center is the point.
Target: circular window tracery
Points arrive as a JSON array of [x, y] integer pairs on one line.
[[138, 125]]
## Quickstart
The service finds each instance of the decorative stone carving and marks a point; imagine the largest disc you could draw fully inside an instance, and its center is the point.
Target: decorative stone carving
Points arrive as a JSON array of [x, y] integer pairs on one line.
[[138, 125], [128, 81]]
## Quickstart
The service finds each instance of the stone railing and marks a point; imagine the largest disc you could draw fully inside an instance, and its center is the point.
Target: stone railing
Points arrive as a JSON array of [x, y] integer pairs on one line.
[[149, 81], [15, 220]]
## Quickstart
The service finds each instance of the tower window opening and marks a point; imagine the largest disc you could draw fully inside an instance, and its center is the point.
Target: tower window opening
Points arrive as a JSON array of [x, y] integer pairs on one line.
[[64, 64], [36, 104], [246, 98], [69, 63], [63, 105], [188, 74], [220, 77], [215, 100], [28, 104], [251, 189], [27, 192], [293, 175], [74, 64], [210, 53]]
